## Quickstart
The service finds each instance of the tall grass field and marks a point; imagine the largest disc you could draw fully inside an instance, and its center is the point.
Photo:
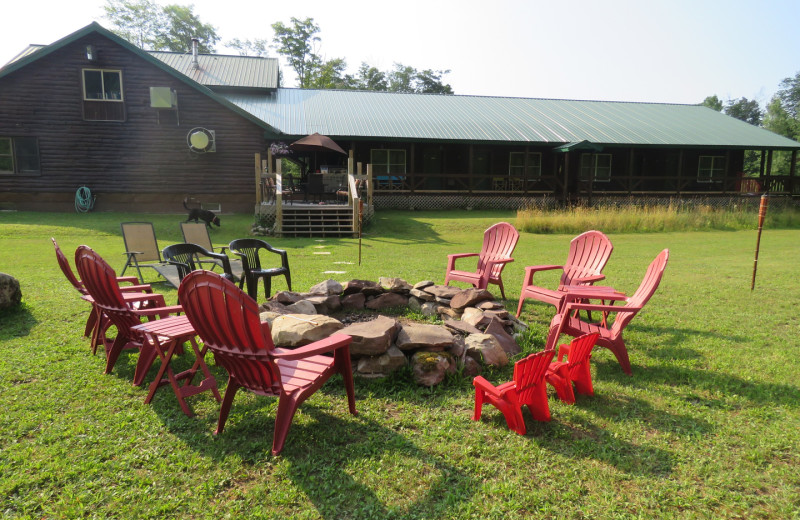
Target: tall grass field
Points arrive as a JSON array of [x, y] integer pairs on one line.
[[707, 427]]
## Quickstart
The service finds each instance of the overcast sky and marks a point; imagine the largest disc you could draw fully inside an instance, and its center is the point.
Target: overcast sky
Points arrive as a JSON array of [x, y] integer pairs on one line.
[[676, 51]]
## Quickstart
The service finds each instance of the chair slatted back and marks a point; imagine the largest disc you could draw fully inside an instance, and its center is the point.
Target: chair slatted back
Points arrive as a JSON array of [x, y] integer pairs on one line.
[[249, 247], [227, 320], [580, 351], [652, 278], [63, 263], [529, 374], [196, 233], [141, 236], [499, 242], [100, 281], [588, 254]]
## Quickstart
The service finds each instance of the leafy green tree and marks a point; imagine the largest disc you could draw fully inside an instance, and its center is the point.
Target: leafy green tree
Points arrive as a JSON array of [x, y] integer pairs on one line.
[[248, 47], [430, 82], [370, 78], [330, 75], [296, 42], [777, 119], [151, 26], [713, 102], [744, 109], [182, 25], [138, 21], [789, 95]]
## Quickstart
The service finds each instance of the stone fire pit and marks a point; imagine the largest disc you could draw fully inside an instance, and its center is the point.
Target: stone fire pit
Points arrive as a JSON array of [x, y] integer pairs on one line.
[[477, 329]]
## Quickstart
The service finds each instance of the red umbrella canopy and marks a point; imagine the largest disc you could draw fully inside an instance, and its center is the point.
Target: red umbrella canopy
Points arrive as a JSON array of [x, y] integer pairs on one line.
[[316, 143]]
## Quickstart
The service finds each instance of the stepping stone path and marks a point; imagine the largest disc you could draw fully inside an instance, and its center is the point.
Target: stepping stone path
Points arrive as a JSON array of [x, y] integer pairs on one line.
[[477, 329]]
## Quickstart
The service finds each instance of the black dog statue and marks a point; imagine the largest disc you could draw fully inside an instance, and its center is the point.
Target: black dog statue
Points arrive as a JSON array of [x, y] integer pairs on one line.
[[197, 214]]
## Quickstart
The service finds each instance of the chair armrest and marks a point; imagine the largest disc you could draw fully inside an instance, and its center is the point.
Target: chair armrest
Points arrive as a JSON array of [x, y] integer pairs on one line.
[[533, 269], [127, 279], [451, 259], [133, 253], [137, 288], [156, 298], [589, 278], [592, 293], [159, 311], [322, 346], [599, 308], [495, 391]]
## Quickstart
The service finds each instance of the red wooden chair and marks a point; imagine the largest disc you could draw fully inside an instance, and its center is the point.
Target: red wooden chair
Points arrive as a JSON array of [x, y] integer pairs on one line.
[[561, 374], [588, 254], [227, 320], [96, 322], [499, 242], [528, 388], [610, 336], [100, 281]]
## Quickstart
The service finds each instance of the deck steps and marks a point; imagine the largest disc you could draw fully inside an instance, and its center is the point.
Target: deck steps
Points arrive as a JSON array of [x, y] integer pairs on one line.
[[317, 221]]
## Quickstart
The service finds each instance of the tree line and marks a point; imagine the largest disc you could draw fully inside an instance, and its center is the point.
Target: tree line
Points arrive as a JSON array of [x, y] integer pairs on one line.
[[782, 116], [172, 27]]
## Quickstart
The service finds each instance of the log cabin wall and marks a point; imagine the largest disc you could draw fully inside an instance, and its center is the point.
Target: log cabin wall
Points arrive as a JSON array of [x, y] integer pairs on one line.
[[140, 164]]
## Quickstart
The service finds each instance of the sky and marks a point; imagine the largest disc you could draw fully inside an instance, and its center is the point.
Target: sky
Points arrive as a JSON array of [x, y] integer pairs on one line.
[[676, 51]]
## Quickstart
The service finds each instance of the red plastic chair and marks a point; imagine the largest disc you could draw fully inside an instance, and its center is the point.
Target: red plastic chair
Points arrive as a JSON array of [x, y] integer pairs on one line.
[[610, 336], [562, 374], [528, 388], [100, 281], [499, 242], [227, 320], [96, 322], [588, 254]]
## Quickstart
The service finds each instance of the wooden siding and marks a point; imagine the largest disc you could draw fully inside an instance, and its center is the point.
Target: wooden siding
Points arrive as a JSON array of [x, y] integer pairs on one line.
[[144, 155]]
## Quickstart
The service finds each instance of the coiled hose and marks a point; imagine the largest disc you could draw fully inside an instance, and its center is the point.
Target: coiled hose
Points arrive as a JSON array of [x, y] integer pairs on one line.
[[84, 200]]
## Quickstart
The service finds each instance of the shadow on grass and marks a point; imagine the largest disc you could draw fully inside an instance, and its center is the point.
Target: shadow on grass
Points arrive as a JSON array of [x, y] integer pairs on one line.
[[16, 322], [348, 466]]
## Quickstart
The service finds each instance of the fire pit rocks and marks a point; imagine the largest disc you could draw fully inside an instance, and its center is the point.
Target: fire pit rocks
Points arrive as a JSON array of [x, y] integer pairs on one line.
[[477, 330]]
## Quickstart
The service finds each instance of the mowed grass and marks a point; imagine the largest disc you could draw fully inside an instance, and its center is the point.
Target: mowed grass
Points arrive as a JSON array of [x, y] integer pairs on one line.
[[708, 426]]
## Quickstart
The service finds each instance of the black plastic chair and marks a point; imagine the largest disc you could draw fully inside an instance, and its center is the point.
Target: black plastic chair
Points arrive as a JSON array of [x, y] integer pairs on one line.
[[187, 258], [314, 187], [248, 250]]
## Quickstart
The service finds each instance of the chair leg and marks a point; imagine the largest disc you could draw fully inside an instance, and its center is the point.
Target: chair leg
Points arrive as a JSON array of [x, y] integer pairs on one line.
[[113, 352], [225, 408], [341, 359], [560, 381], [147, 355], [288, 277], [267, 287], [476, 416], [287, 406], [519, 307]]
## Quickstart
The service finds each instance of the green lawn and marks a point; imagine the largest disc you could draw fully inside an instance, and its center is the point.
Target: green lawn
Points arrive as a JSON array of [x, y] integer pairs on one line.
[[708, 426]]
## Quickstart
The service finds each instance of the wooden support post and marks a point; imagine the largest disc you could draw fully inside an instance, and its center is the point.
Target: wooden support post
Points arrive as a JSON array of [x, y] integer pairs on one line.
[[369, 185], [278, 199], [259, 189]]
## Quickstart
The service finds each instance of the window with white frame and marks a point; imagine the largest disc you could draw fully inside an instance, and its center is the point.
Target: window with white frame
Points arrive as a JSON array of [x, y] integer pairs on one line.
[[596, 166], [386, 161], [711, 168], [102, 85], [525, 164], [19, 155]]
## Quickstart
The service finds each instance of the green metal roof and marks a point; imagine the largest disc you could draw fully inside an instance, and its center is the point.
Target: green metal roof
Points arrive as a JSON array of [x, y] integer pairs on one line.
[[217, 70], [385, 115]]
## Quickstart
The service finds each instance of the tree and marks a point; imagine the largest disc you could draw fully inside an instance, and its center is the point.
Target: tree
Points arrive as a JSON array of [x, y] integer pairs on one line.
[[330, 75], [151, 26], [745, 110], [296, 43], [370, 78], [182, 26], [789, 96], [248, 47], [712, 102], [430, 82], [408, 79]]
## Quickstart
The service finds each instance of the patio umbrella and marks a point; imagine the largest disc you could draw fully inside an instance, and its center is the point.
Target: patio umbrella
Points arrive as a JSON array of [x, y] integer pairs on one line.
[[316, 143]]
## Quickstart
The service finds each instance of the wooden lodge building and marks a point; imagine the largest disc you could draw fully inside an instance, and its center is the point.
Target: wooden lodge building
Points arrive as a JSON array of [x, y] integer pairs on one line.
[[143, 130]]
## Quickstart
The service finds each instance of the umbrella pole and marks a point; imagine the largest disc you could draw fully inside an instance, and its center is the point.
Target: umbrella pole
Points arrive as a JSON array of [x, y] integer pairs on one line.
[[762, 212]]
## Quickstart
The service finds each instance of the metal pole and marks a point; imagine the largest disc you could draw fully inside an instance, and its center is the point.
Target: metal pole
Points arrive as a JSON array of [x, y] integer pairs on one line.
[[762, 212]]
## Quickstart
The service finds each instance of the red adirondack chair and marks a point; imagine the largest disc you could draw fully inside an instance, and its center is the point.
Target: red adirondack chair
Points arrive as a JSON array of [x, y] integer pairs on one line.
[[96, 322], [561, 374], [528, 388], [227, 320], [588, 254], [610, 336], [100, 281], [499, 242]]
